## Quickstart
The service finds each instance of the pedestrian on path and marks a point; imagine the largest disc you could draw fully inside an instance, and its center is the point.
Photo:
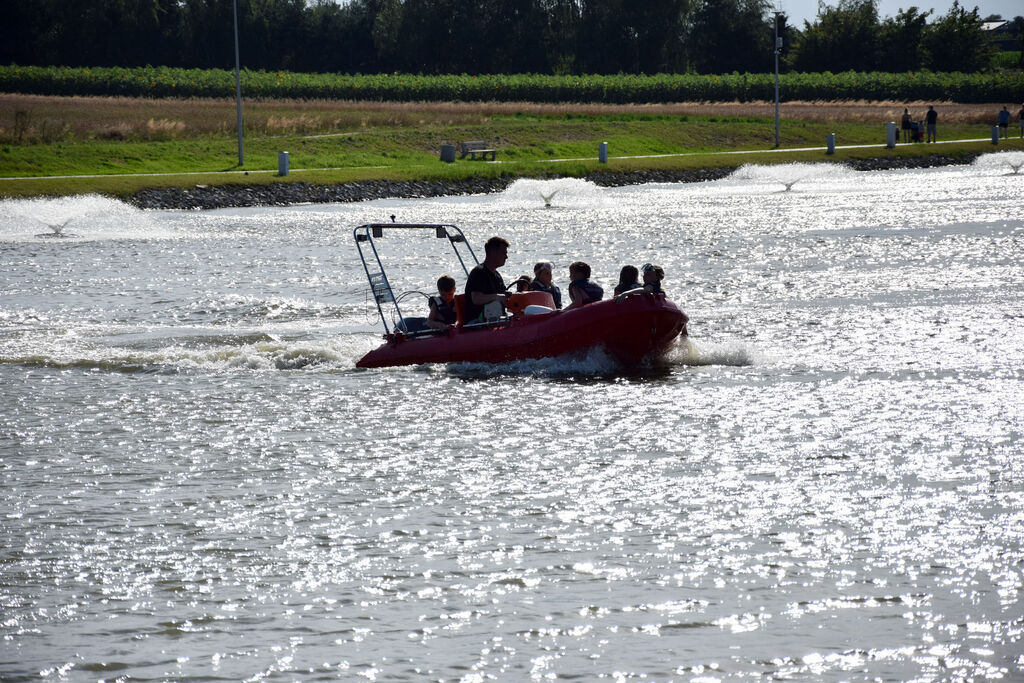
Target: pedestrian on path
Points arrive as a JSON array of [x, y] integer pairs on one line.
[[1004, 122]]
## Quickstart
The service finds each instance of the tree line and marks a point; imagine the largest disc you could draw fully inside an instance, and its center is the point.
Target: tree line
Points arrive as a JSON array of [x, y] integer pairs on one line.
[[491, 36]]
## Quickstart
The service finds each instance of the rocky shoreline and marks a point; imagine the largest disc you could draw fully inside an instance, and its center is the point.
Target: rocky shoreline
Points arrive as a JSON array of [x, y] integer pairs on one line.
[[286, 193]]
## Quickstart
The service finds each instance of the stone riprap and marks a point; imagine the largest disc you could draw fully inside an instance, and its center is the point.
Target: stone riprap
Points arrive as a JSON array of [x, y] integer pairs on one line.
[[286, 193]]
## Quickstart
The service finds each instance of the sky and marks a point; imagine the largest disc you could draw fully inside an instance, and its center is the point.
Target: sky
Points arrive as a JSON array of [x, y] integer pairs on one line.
[[801, 10]]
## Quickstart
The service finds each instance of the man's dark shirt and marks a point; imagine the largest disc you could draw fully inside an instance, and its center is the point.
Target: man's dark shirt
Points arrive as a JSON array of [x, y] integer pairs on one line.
[[484, 281]]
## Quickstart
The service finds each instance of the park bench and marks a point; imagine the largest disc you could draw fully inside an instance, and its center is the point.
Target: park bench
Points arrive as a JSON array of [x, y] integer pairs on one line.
[[476, 147]]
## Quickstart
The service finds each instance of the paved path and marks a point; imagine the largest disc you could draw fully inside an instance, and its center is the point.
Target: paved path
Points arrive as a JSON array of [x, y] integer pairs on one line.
[[551, 161]]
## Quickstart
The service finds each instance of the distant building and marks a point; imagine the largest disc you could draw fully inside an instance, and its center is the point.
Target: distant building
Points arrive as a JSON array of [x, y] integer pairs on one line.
[[1001, 34]]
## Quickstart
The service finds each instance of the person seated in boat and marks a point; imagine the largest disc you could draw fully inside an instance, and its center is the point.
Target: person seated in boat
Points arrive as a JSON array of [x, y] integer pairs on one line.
[[485, 286], [442, 307], [542, 282], [523, 283], [581, 290], [629, 279], [653, 275]]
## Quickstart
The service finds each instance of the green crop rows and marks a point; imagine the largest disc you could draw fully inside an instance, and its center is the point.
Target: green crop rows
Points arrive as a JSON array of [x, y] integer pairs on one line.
[[620, 89]]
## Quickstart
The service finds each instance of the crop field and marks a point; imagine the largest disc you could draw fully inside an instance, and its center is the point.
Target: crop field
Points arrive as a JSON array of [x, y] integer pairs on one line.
[[610, 89]]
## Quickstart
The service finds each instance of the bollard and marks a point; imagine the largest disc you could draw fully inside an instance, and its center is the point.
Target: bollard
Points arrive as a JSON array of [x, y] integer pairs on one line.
[[831, 144], [995, 135], [891, 134], [602, 152], [448, 154], [282, 163]]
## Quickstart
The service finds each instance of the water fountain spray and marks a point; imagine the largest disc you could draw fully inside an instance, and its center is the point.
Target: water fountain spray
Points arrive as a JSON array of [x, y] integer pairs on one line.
[[1014, 159]]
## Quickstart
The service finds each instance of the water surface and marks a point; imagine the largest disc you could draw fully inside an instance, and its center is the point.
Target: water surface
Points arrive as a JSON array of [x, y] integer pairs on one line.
[[197, 483]]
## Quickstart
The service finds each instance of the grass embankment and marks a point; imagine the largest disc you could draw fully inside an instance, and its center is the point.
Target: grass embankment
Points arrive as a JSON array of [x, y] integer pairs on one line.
[[194, 142]]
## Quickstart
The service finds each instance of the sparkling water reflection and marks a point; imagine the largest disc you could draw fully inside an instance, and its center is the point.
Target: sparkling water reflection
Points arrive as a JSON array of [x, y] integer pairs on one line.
[[827, 483]]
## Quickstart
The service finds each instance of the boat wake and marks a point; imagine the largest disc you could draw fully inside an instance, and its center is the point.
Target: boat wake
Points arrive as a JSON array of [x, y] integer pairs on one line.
[[255, 351], [700, 354], [594, 362]]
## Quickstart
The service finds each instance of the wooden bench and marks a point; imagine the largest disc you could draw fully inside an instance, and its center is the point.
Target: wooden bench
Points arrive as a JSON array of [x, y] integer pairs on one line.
[[476, 147]]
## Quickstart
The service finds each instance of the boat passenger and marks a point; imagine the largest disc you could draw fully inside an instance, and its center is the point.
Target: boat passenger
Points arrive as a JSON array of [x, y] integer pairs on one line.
[[629, 278], [581, 290], [442, 307], [653, 275], [485, 285], [542, 282], [523, 283]]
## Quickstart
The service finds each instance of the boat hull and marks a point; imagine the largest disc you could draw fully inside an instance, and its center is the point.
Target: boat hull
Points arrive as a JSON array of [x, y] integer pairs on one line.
[[633, 331]]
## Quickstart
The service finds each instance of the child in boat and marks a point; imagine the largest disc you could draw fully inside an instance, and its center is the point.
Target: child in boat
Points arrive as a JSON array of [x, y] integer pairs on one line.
[[523, 283], [628, 279], [442, 307], [542, 282], [653, 275], [581, 290]]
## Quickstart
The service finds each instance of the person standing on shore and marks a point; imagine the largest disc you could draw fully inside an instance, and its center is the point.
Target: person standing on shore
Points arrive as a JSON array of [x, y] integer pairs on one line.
[[930, 119], [905, 125], [1004, 122]]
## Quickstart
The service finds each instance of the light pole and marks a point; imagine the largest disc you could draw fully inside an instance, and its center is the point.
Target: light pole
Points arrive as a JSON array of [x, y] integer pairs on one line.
[[778, 49], [238, 92]]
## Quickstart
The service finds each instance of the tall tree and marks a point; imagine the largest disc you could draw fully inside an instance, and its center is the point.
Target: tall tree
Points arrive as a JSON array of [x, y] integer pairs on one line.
[[733, 35], [629, 36], [956, 42], [900, 44], [844, 37]]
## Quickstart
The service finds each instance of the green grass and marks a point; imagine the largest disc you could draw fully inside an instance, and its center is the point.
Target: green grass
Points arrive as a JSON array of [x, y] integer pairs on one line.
[[527, 146]]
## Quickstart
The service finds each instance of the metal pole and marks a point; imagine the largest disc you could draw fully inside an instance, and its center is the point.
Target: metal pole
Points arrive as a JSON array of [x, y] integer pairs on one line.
[[238, 92], [777, 143]]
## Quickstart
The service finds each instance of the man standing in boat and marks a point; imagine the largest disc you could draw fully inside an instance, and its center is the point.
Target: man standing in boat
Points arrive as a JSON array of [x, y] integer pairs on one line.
[[485, 285]]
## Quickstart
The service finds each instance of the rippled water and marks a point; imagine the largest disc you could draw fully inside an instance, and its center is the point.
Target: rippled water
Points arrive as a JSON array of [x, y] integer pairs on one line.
[[196, 482]]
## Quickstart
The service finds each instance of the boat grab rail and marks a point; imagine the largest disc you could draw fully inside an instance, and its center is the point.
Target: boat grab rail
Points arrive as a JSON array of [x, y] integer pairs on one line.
[[380, 286]]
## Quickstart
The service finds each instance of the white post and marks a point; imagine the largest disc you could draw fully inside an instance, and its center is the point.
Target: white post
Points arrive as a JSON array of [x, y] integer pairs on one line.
[[995, 135], [282, 163], [831, 144], [891, 134], [602, 153]]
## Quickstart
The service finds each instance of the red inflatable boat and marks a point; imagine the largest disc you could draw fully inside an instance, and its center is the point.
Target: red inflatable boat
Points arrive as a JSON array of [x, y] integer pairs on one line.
[[633, 329]]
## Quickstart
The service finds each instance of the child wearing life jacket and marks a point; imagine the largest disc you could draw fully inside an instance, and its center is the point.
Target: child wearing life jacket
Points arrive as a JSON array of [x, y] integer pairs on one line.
[[581, 290], [442, 307]]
